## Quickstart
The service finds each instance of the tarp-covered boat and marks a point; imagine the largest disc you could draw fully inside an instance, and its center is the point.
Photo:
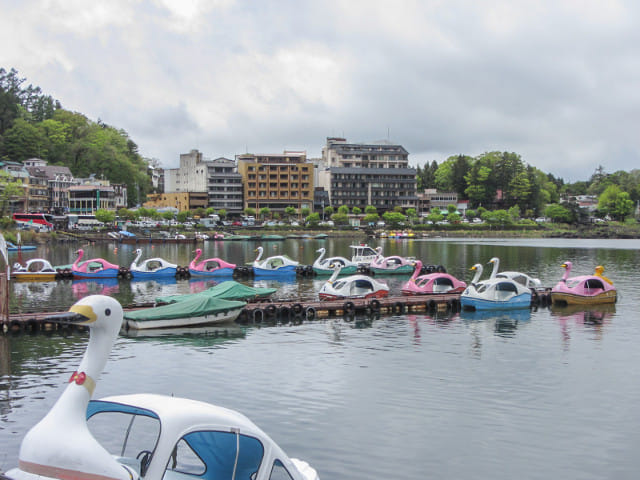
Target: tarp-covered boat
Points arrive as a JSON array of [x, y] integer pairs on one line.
[[197, 310], [229, 290]]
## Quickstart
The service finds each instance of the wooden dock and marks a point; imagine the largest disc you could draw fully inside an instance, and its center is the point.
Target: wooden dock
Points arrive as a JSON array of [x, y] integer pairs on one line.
[[274, 311]]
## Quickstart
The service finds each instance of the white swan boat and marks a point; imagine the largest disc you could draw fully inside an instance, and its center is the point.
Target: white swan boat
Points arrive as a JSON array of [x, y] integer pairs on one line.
[[150, 436], [322, 265], [276, 265], [364, 254], [151, 267], [494, 293], [521, 278], [354, 286]]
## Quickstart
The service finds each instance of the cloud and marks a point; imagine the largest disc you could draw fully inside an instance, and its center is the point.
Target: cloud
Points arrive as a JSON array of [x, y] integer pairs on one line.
[[553, 81]]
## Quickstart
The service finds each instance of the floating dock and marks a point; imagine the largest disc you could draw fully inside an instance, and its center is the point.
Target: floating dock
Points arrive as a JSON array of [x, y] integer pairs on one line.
[[271, 311]]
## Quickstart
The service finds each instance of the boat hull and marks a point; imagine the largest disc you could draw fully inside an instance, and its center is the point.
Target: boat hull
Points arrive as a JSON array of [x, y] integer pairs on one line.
[[403, 270], [286, 270], [162, 272], [218, 272], [208, 319], [331, 296], [34, 276], [350, 270], [475, 303], [106, 273], [566, 298]]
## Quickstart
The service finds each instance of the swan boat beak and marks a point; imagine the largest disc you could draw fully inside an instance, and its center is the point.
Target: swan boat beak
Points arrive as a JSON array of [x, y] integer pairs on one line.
[[77, 315]]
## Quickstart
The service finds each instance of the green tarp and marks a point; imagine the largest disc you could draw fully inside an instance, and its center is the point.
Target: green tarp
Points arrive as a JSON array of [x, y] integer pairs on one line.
[[228, 290], [192, 307]]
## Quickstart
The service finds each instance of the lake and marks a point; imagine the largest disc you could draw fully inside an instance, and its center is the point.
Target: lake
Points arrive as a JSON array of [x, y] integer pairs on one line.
[[546, 393]]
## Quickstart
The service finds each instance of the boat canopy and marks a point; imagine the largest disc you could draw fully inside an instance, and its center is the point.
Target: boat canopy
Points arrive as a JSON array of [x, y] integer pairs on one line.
[[195, 306], [229, 290]]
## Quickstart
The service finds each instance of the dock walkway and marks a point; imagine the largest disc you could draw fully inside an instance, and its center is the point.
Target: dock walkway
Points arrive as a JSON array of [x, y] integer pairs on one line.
[[277, 310]]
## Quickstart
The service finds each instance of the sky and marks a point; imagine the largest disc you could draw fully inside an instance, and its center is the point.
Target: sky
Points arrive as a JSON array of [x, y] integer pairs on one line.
[[555, 81]]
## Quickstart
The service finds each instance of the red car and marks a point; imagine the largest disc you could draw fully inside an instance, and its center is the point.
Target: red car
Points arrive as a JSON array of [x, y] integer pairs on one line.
[[237, 223]]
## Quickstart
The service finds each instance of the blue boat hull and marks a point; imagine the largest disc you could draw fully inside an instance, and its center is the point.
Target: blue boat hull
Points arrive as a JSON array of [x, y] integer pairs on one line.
[[163, 272], [282, 271], [519, 301], [106, 273], [218, 272]]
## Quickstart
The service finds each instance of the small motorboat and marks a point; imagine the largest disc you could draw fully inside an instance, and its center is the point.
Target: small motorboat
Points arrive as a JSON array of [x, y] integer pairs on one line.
[[12, 247], [354, 286], [364, 254], [152, 267], [163, 436], [35, 269], [276, 265], [521, 278], [211, 267], [394, 265], [583, 289], [437, 282], [322, 265], [94, 268], [494, 293]]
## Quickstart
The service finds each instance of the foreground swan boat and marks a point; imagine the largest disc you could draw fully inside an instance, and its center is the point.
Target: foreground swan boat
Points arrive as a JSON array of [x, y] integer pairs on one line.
[[583, 289], [494, 293], [152, 267], [161, 437], [521, 278]]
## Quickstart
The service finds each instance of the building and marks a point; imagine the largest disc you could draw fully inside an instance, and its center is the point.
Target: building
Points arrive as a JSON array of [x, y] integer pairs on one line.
[[181, 201], [277, 181], [431, 198], [218, 178], [363, 174], [91, 195], [17, 173], [59, 179]]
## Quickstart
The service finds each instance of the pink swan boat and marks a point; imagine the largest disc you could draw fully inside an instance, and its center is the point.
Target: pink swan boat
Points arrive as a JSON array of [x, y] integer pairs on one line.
[[391, 265], [211, 267], [94, 268], [432, 283], [583, 289]]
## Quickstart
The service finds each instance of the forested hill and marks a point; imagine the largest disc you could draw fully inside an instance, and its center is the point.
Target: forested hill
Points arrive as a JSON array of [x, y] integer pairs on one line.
[[35, 125]]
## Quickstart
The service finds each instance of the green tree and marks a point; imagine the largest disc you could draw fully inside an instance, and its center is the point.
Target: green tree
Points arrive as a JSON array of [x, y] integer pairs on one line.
[[393, 219], [343, 209], [370, 209], [222, 213], [265, 212], [412, 215], [340, 218], [371, 218], [182, 216], [453, 217], [168, 215], [616, 203], [290, 212], [105, 216], [250, 212], [328, 211], [435, 216], [305, 211], [356, 210], [312, 219], [557, 213]]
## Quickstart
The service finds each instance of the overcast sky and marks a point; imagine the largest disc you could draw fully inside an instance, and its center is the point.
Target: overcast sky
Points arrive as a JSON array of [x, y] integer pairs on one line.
[[556, 81]]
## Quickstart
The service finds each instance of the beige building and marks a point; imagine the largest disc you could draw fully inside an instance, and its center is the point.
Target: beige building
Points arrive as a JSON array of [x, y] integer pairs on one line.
[[181, 200], [276, 181]]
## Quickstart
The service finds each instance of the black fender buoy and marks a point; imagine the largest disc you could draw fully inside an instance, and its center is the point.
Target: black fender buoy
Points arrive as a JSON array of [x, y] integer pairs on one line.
[[310, 313], [270, 311], [284, 313], [431, 306], [375, 305], [297, 309], [398, 307], [257, 315], [349, 308], [441, 269]]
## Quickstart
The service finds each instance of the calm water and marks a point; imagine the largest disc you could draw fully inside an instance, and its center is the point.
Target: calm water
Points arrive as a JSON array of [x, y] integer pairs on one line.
[[551, 393]]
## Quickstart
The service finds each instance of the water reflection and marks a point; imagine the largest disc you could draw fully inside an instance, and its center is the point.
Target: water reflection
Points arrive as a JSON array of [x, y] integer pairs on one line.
[[594, 318], [95, 286], [205, 336], [24, 291]]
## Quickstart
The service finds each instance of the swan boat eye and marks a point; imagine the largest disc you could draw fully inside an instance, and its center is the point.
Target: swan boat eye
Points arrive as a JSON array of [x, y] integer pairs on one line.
[[107, 312]]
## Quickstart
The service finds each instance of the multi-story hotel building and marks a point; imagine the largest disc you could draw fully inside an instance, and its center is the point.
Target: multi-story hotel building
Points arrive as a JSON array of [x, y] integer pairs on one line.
[[276, 181], [359, 175], [218, 178]]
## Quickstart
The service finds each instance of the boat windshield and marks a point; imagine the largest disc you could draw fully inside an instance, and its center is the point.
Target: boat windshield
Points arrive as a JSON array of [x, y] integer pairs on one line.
[[126, 432]]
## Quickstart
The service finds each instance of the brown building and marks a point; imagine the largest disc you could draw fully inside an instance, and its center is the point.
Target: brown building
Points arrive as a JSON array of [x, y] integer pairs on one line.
[[276, 181], [181, 200]]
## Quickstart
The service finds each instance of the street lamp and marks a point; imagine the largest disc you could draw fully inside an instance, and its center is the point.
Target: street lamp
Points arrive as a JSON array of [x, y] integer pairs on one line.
[[323, 209]]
